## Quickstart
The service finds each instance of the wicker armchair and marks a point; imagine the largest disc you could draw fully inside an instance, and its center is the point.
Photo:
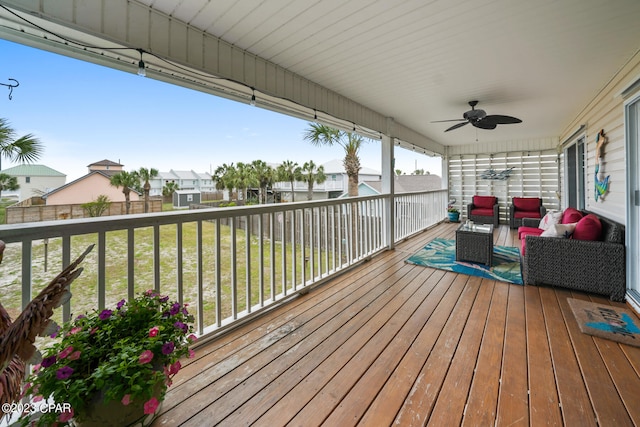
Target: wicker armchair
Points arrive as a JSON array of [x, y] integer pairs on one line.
[[525, 207], [484, 210], [590, 266]]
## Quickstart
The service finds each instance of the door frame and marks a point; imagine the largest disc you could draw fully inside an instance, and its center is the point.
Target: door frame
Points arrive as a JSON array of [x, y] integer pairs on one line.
[[632, 237]]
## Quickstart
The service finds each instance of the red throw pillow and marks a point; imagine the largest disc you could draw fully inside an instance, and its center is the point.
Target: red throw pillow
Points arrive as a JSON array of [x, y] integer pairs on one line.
[[528, 204], [485, 202], [588, 228], [571, 215]]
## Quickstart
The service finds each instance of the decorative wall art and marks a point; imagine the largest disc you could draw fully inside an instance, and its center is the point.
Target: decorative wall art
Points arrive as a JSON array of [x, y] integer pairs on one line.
[[601, 182], [493, 174]]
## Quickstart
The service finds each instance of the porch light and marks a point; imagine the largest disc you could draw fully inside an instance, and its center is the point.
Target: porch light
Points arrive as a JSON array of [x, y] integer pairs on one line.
[[253, 97], [141, 69]]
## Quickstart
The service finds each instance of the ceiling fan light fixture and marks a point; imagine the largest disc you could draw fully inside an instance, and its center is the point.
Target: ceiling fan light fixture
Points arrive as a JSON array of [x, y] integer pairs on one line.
[[480, 119]]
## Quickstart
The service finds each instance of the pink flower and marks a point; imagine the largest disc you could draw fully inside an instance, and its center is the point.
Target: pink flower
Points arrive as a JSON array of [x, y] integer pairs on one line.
[[192, 338], [75, 330], [154, 331], [175, 368], [192, 354], [38, 398], [146, 357], [64, 353], [93, 331], [150, 406], [126, 399], [66, 416], [75, 355]]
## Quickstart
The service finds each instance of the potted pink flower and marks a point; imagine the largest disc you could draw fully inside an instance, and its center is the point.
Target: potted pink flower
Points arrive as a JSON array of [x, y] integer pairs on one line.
[[113, 367]]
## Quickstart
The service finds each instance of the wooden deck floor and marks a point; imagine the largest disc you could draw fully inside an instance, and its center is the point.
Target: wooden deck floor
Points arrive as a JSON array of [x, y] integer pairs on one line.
[[392, 342]]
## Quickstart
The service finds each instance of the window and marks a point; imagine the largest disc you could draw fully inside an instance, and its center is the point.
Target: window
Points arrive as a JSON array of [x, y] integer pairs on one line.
[[189, 197], [27, 179]]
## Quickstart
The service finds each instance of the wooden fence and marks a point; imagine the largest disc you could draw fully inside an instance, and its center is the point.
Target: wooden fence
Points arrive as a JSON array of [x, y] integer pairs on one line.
[[37, 213]]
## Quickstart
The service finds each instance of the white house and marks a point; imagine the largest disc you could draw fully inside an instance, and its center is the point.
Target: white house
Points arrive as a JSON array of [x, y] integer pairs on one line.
[[34, 180], [186, 180], [336, 184]]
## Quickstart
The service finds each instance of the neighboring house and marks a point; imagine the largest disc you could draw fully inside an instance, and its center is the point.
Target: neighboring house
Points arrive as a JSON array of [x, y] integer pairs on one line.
[[409, 183], [402, 184], [87, 188], [337, 182], [34, 180], [186, 180]]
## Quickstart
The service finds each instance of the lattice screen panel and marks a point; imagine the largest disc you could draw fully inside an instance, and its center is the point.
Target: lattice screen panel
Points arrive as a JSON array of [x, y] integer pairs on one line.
[[534, 174]]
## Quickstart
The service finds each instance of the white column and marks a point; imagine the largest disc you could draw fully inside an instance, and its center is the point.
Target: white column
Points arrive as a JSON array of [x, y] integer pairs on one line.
[[388, 167]]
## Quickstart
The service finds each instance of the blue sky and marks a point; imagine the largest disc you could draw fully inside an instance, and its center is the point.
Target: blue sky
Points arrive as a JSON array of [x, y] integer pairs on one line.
[[84, 113]]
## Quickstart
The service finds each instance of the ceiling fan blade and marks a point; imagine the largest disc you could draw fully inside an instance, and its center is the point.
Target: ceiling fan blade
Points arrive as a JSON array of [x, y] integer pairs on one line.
[[483, 124], [459, 125], [452, 120], [497, 119]]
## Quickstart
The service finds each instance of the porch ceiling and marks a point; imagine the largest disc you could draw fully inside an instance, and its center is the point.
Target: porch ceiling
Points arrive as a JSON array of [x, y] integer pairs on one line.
[[419, 61]]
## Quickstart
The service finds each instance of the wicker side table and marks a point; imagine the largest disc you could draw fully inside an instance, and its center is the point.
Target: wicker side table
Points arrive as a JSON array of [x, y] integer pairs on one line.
[[475, 243]]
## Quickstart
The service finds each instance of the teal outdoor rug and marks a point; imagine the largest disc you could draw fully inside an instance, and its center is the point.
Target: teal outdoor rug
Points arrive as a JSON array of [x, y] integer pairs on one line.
[[441, 254]]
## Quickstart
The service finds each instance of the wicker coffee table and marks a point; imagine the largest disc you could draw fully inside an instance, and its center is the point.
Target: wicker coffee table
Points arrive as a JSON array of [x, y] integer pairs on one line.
[[475, 243]]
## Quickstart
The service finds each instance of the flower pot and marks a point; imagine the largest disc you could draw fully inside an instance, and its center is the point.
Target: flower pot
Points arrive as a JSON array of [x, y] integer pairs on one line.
[[114, 413], [454, 216]]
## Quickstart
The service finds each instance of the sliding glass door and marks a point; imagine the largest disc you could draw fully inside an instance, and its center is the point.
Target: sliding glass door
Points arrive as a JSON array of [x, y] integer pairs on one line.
[[632, 130]]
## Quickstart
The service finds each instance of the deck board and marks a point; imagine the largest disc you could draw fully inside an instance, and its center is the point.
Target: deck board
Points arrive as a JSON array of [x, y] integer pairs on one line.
[[395, 343], [513, 400]]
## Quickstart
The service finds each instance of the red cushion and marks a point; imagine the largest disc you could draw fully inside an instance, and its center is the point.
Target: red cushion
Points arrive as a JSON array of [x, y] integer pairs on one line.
[[482, 212], [523, 231], [527, 214], [588, 228], [527, 203], [523, 246], [571, 215], [486, 202]]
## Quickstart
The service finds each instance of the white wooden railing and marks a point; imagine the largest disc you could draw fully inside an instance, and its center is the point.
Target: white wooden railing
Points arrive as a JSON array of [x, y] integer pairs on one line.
[[226, 263]]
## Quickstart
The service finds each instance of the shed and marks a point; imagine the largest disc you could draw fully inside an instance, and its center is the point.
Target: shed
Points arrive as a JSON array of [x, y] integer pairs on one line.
[[183, 198]]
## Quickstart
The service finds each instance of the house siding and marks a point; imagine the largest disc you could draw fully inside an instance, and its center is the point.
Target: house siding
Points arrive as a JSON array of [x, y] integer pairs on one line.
[[88, 189], [606, 111]]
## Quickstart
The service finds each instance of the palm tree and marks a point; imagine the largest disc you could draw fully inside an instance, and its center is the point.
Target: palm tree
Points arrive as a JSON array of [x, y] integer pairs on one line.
[[25, 149], [225, 178], [244, 179], [312, 174], [126, 180], [170, 188], [146, 175], [264, 175], [289, 171], [319, 134], [8, 182]]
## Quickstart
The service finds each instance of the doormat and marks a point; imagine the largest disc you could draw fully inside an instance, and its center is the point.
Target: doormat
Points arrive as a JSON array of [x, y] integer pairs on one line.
[[606, 321], [441, 253]]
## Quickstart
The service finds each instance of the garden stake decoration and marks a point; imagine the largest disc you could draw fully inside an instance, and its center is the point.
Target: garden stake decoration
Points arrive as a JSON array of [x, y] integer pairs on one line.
[[601, 182]]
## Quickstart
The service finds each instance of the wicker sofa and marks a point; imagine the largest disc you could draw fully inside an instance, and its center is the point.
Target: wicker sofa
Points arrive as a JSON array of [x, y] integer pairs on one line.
[[584, 265]]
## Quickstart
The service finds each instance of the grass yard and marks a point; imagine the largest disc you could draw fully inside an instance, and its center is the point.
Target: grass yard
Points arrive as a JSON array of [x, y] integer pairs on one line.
[[85, 292]]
